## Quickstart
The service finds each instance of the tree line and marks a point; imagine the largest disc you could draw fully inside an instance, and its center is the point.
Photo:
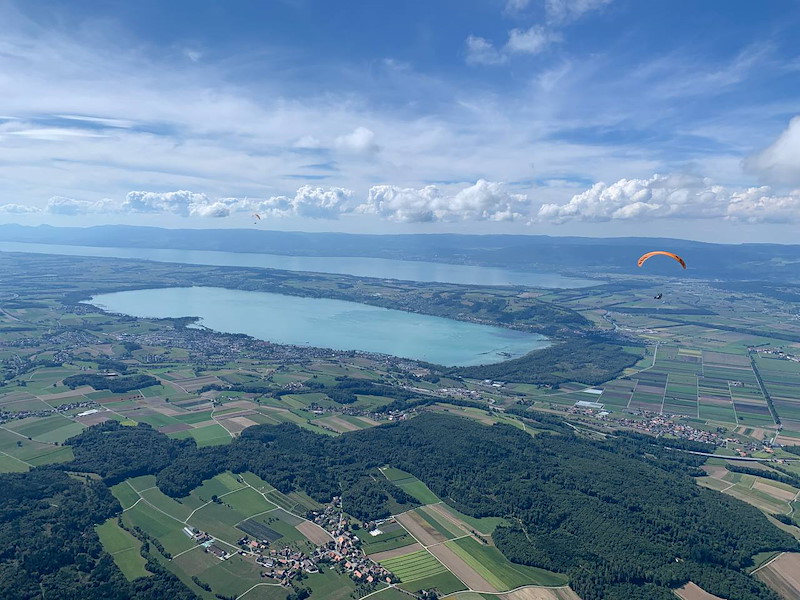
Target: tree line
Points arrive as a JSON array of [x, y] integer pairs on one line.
[[588, 360], [118, 385]]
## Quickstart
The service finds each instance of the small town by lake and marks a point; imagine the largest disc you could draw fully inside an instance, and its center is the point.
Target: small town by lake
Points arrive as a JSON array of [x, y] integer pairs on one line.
[[327, 323]]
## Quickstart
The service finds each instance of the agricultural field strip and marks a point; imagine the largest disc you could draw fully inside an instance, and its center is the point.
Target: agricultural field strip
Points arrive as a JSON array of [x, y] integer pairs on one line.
[[511, 591], [263, 494], [247, 591], [429, 552], [191, 514], [258, 514], [135, 503], [378, 591], [220, 424], [733, 404], [24, 437], [17, 459], [449, 570], [754, 480], [633, 391], [185, 551], [769, 562]]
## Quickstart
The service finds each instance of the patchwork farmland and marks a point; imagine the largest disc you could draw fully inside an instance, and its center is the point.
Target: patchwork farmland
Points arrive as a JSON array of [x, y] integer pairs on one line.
[[436, 547], [710, 386]]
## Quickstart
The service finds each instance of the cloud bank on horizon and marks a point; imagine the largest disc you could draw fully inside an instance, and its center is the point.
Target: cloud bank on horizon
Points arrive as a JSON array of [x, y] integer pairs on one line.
[[518, 115]]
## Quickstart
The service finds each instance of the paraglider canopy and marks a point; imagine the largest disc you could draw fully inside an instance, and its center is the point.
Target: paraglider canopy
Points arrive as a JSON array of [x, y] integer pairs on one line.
[[646, 256]]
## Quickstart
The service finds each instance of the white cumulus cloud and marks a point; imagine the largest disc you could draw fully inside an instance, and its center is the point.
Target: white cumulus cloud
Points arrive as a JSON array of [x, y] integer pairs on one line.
[[308, 201], [18, 209], [674, 196], [59, 205], [484, 201], [762, 205], [360, 141], [214, 209], [535, 39], [780, 162], [181, 202]]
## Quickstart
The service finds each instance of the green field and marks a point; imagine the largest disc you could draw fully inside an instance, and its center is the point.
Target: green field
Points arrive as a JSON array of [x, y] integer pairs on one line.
[[490, 563], [440, 524], [485, 525], [194, 417], [32, 452], [54, 428], [161, 501], [329, 585], [210, 435], [168, 530], [248, 501], [410, 485], [414, 566], [124, 548], [9, 464], [444, 583], [390, 594], [396, 537]]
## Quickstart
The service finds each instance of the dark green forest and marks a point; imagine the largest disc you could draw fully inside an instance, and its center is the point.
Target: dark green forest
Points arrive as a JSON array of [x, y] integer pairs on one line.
[[579, 359], [623, 517], [118, 385], [49, 549]]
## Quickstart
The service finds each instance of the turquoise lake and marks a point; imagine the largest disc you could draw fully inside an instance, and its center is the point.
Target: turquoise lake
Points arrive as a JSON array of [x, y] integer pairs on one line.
[[381, 268], [327, 323]]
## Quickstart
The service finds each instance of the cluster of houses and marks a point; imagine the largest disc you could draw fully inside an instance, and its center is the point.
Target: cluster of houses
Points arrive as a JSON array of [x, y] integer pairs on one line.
[[454, 392], [212, 348], [664, 425], [6, 416], [284, 564], [345, 547], [203, 539], [776, 352]]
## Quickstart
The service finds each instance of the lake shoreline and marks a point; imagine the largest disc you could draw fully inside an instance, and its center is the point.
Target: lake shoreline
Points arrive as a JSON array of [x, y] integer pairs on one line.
[[412, 271], [340, 325]]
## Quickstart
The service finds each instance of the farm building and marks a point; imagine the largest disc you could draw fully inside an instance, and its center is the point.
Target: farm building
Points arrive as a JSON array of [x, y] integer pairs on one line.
[[587, 404]]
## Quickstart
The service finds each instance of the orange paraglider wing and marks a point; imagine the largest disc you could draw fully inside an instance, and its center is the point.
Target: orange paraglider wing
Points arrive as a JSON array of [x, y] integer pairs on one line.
[[644, 257]]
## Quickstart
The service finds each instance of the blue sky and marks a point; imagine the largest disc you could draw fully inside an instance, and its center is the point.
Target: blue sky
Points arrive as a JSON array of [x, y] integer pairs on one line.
[[589, 117]]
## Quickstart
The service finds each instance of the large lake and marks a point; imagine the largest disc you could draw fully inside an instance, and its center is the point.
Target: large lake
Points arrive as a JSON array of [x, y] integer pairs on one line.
[[382, 268], [328, 323]]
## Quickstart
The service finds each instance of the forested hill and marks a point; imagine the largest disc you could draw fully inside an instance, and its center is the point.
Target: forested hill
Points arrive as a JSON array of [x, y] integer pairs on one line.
[[622, 517], [49, 547], [525, 252]]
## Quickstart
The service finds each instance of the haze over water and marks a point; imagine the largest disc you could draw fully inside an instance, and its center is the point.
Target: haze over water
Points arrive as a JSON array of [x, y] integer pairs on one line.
[[382, 268], [327, 323]]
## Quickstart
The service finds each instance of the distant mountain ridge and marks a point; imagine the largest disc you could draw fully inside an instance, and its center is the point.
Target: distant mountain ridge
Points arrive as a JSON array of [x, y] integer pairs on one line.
[[772, 262]]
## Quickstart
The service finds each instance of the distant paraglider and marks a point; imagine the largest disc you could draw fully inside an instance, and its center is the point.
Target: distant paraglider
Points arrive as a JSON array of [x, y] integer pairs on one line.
[[644, 257], [257, 217], [648, 255]]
